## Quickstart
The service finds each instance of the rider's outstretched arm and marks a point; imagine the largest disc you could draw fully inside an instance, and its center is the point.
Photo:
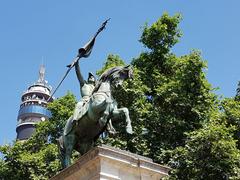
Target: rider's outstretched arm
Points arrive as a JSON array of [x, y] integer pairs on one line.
[[79, 75]]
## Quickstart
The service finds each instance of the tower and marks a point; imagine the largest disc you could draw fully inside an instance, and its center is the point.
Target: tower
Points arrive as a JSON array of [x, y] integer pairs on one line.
[[33, 106]]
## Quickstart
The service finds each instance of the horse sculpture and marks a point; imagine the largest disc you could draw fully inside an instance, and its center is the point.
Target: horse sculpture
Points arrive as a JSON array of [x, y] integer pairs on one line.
[[95, 115]]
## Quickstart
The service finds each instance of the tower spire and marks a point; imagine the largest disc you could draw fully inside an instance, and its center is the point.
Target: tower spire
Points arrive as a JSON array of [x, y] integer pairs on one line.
[[41, 78]]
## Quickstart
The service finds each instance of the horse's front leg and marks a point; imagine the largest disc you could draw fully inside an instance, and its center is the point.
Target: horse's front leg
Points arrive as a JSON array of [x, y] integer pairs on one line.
[[123, 112]]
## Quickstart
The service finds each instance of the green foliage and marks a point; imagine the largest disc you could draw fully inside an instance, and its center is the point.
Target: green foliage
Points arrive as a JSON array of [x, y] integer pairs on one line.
[[237, 97], [22, 161], [231, 109], [163, 34], [61, 109], [37, 158], [209, 153]]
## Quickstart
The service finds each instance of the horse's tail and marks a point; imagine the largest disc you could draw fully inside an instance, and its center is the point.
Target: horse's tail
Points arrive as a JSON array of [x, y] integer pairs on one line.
[[61, 150]]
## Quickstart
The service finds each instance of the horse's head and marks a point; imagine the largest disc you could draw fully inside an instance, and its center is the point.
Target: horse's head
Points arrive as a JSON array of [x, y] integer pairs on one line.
[[118, 74], [126, 72], [122, 74], [115, 76]]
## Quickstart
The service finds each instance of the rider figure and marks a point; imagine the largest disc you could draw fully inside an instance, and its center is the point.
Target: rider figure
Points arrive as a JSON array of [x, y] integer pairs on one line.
[[86, 89]]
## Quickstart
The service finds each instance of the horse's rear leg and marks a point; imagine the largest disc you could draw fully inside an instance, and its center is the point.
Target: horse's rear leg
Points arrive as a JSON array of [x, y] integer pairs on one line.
[[61, 150], [66, 147], [123, 112], [110, 128]]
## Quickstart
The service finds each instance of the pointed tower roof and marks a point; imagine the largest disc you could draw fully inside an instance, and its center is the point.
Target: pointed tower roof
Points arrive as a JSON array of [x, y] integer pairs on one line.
[[41, 78], [41, 82]]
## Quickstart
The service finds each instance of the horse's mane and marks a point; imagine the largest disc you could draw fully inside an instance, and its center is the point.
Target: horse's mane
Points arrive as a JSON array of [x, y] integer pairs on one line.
[[108, 74]]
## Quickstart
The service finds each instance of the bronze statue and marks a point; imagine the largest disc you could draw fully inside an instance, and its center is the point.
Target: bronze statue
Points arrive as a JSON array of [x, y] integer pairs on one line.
[[96, 110], [93, 113]]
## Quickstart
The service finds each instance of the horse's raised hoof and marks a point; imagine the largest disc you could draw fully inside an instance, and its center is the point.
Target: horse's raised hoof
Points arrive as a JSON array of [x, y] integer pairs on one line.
[[112, 134], [129, 130]]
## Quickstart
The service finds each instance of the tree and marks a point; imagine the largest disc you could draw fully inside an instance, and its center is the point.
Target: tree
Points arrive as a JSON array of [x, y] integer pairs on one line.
[[213, 151], [209, 153], [231, 109], [237, 97]]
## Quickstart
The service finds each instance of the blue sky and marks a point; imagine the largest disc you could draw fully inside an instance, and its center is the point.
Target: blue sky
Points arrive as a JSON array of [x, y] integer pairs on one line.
[[52, 31]]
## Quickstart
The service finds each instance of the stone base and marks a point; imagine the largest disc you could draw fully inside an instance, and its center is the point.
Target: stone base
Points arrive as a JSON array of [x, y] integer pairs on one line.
[[108, 163]]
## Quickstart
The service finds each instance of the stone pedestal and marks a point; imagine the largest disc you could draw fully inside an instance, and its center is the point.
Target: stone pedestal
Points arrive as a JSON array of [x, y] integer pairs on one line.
[[107, 163]]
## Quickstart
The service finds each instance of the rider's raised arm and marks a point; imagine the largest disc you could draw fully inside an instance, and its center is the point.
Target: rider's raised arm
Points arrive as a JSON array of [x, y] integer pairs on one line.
[[79, 75]]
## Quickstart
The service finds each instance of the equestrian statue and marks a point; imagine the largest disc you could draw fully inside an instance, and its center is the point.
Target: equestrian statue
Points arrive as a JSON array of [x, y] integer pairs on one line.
[[93, 113], [96, 110]]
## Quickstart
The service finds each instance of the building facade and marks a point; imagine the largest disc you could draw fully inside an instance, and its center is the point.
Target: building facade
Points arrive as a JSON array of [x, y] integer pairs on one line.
[[33, 108]]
